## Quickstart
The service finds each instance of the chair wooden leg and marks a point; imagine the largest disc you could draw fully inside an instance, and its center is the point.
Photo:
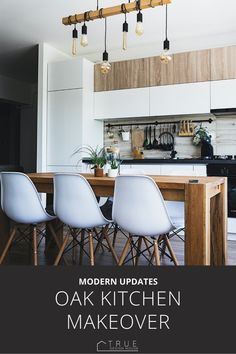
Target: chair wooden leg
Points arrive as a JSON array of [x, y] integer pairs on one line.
[[99, 242], [74, 246], [63, 246], [137, 257], [147, 246], [11, 238], [81, 254], [110, 246], [156, 253], [51, 228], [168, 245], [115, 235], [132, 249], [35, 246], [124, 252], [91, 250]]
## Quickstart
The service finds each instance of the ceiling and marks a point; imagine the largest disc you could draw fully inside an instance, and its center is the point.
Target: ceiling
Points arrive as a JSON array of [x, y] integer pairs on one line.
[[193, 24]]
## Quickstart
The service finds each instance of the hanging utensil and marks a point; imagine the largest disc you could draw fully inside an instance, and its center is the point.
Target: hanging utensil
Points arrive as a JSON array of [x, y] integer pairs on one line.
[[174, 128], [149, 146], [155, 142], [160, 139], [145, 143]]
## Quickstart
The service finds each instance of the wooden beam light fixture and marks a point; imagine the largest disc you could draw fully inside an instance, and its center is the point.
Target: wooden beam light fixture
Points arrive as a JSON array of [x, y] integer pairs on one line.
[[112, 11]]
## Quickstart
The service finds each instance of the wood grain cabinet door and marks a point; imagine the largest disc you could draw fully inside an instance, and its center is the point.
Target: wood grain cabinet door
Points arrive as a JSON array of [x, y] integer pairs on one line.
[[223, 63], [124, 75], [184, 68], [191, 67]]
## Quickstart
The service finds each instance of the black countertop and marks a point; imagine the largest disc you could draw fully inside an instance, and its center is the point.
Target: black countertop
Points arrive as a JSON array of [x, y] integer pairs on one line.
[[153, 161]]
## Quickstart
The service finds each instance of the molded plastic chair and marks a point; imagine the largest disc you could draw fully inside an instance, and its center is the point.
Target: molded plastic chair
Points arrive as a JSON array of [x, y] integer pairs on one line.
[[139, 209], [21, 203], [75, 204]]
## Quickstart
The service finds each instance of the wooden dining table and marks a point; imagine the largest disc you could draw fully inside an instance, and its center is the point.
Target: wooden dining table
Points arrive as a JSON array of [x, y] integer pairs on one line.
[[205, 200]]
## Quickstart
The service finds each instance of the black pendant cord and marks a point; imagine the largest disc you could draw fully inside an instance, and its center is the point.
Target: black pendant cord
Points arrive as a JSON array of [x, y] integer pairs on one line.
[[97, 5], [105, 34], [166, 21]]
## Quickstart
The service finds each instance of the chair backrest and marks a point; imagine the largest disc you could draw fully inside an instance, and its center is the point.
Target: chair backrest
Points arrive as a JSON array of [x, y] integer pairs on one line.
[[75, 203], [20, 199], [139, 207]]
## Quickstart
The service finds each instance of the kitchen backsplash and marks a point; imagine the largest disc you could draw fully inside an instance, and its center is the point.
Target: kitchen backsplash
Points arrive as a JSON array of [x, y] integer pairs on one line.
[[222, 129]]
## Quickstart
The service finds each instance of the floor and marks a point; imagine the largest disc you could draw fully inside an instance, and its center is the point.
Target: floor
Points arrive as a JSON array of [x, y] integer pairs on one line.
[[20, 253]]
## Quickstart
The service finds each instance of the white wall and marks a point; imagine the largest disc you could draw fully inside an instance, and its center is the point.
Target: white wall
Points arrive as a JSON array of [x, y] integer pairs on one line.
[[47, 54]]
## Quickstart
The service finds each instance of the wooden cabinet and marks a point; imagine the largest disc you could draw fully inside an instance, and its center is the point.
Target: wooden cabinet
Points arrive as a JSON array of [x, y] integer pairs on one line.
[[121, 104], [65, 75], [161, 74], [187, 67], [180, 99], [223, 63], [124, 75], [191, 67], [223, 94]]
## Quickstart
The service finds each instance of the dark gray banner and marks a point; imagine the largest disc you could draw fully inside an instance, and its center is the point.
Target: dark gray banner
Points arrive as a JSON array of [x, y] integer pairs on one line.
[[117, 310]]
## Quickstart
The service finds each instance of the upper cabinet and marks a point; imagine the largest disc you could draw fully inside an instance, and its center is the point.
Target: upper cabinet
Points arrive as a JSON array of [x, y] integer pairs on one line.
[[184, 68], [121, 104], [124, 75], [223, 63], [180, 99], [223, 94], [65, 75]]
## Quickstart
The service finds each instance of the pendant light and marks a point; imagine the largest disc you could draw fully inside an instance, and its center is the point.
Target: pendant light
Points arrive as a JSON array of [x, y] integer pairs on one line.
[[74, 41], [84, 36], [139, 26], [105, 65], [125, 28], [165, 56], [84, 31]]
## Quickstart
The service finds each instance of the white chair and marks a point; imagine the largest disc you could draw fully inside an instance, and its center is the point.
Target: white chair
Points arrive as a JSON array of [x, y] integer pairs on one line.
[[139, 209], [176, 210], [75, 204], [21, 203]]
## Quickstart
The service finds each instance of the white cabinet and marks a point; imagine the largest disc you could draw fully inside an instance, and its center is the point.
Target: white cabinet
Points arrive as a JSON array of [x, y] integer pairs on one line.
[[64, 131], [70, 122], [172, 169], [200, 170], [65, 75], [177, 170], [180, 99], [223, 94], [121, 103]]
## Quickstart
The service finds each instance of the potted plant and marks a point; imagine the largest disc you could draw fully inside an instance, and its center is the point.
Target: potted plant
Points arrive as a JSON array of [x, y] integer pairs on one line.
[[203, 137], [97, 157], [114, 168]]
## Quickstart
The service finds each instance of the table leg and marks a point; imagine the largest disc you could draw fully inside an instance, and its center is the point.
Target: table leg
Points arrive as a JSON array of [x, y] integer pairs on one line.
[[219, 227], [197, 225], [57, 226]]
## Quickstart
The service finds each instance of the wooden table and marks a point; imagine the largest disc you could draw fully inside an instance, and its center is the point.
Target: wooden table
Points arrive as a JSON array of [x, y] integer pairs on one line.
[[205, 211]]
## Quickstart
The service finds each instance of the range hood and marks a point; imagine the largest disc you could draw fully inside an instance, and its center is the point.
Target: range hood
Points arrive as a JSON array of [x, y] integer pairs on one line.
[[223, 112]]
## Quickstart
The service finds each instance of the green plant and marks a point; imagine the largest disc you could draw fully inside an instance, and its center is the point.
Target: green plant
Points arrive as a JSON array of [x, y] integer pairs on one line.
[[115, 164], [97, 155], [201, 134]]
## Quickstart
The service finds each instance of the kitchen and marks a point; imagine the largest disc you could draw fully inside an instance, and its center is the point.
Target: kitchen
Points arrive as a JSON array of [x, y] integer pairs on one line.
[[142, 102]]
